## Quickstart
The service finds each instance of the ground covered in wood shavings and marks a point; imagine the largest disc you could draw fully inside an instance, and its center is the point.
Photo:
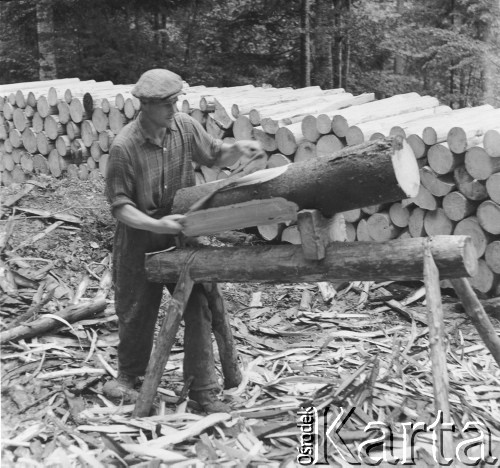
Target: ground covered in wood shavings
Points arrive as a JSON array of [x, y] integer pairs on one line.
[[362, 350]]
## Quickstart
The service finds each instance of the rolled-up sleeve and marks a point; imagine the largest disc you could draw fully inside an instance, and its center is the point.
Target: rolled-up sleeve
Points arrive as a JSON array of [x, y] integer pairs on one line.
[[206, 148], [120, 183]]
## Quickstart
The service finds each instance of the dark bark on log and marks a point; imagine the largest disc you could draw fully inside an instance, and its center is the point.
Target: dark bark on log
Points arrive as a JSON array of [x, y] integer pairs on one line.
[[368, 174], [305, 43], [46, 40], [362, 261]]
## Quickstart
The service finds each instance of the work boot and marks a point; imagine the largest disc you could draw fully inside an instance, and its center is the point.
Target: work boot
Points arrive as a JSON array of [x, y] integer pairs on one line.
[[121, 387], [209, 401]]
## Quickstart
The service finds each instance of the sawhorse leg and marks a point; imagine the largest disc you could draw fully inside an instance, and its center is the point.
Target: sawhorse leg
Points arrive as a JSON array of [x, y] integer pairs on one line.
[[164, 342], [480, 319], [166, 338], [223, 336], [438, 353]]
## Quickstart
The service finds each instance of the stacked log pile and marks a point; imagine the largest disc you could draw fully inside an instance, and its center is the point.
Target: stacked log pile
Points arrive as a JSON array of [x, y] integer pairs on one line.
[[67, 127], [458, 152], [459, 193]]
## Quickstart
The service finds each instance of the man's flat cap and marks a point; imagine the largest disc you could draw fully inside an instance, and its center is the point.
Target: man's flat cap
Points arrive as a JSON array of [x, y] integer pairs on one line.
[[158, 85]]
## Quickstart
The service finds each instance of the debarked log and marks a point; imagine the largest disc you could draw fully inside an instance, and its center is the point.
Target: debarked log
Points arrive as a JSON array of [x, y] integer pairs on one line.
[[372, 173], [399, 259]]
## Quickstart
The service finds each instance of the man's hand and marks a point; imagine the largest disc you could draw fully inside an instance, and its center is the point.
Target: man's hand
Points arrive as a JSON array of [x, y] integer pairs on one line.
[[172, 224], [241, 151], [248, 148], [131, 216]]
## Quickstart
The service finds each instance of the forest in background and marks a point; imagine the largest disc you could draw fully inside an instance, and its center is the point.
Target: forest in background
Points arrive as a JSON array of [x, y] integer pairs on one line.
[[445, 48]]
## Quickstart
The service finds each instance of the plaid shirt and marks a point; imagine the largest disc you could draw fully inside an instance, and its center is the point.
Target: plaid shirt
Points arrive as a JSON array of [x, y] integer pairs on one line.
[[142, 174]]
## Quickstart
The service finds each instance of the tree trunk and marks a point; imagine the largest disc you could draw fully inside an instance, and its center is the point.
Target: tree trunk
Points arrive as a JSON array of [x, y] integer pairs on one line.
[[157, 26], [305, 43], [489, 75], [399, 61], [370, 261], [3, 27], [337, 45], [454, 26], [382, 171], [323, 41], [46, 47], [346, 50], [463, 90], [191, 32]]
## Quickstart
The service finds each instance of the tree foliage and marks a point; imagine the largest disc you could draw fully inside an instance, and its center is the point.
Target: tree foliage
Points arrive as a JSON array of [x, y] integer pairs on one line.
[[446, 48]]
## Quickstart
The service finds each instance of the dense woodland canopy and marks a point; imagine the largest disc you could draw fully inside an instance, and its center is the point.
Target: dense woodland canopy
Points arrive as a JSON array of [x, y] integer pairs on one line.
[[446, 48]]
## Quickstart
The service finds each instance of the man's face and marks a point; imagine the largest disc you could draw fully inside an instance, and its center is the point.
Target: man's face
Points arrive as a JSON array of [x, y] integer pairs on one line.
[[160, 113]]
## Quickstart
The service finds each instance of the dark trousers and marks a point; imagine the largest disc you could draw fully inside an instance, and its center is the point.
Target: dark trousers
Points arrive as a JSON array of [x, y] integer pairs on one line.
[[137, 303]]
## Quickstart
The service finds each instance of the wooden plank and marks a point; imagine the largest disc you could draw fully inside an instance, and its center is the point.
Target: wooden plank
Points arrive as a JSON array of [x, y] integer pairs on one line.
[[240, 215]]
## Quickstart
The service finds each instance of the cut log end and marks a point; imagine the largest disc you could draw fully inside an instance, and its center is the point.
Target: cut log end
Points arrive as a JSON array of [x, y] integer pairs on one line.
[[470, 261], [417, 145], [270, 232], [406, 168], [491, 143]]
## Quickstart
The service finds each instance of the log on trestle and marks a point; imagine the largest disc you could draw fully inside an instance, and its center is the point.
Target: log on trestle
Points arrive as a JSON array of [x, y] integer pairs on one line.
[[371, 173], [455, 257]]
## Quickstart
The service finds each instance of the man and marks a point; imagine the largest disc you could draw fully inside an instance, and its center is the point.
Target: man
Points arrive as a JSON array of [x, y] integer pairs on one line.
[[150, 159]]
